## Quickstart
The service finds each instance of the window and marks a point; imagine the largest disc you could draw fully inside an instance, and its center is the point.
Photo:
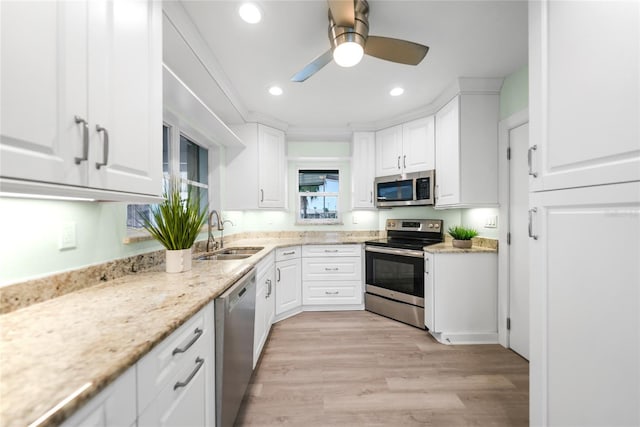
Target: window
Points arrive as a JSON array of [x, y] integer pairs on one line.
[[318, 196], [187, 163]]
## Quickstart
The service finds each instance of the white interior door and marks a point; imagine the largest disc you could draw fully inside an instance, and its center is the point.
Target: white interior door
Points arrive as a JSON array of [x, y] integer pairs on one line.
[[519, 248]]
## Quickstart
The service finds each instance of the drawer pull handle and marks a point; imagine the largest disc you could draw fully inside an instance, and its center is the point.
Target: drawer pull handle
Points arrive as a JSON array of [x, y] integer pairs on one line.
[[331, 251], [331, 269], [331, 293], [199, 363], [288, 253], [196, 335]]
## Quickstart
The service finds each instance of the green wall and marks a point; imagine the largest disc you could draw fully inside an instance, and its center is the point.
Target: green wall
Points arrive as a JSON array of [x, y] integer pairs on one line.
[[514, 95]]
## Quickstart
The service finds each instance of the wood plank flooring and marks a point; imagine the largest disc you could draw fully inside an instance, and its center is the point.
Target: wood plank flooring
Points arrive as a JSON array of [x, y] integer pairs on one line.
[[357, 368]]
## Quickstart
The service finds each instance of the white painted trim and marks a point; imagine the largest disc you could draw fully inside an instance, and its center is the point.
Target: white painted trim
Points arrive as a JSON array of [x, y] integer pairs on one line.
[[504, 126], [460, 338]]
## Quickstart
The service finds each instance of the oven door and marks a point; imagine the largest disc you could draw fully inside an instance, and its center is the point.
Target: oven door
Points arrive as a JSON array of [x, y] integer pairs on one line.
[[395, 273]]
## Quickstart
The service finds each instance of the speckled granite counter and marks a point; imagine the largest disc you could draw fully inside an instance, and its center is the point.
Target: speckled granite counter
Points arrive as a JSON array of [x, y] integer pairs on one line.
[[480, 245], [50, 349]]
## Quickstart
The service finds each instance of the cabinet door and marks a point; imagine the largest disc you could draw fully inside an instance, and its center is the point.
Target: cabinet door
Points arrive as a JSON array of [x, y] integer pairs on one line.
[[585, 300], [288, 288], [363, 163], [593, 138], [125, 95], [271, 167], [389, 151], [448, 154], [418, 145], [43, 56], [259, 320]]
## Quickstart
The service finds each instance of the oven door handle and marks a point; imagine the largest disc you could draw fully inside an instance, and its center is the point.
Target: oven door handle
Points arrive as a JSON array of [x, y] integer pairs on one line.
[[393, 251]]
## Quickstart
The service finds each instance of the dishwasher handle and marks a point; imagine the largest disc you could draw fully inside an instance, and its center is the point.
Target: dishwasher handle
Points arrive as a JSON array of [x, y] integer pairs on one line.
[[238, 291]]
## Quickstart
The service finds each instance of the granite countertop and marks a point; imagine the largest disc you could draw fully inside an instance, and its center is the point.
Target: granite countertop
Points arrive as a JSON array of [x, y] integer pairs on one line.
[[51, 349], [448, 248]]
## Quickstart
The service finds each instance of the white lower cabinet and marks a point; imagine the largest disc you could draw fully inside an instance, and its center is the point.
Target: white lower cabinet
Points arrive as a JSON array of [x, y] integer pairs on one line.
[[265, 304], [114, 406], [332, 275], [288, 292], [176, 379], [585, 300], [461, 297]]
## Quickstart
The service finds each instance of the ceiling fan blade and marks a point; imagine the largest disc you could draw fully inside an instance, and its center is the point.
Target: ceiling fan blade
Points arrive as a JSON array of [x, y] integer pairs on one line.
[[342, 12], [314, 66], [395, 50]]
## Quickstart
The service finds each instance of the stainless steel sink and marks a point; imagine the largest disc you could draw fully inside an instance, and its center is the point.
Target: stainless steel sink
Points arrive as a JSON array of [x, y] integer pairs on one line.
[[232, 253], [245, 250]]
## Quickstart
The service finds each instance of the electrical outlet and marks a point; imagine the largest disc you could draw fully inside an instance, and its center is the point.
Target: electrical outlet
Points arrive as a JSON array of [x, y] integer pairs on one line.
[[491, 222], [67, 236]]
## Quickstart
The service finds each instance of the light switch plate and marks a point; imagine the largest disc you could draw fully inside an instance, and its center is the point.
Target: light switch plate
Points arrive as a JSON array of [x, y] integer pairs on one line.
[[67, 235]]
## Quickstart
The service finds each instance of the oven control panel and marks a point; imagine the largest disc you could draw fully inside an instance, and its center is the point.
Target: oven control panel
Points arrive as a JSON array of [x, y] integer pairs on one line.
[[434, 225]]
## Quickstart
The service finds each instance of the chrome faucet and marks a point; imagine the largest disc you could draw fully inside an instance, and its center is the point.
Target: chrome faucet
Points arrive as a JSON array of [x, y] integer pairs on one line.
[[211, 241]]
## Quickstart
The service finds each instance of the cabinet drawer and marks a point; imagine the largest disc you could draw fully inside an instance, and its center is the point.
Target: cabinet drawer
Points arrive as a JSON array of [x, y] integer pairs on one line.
[[291, 252], [164, 364], [331, 269], [331, 250], [345, 292]]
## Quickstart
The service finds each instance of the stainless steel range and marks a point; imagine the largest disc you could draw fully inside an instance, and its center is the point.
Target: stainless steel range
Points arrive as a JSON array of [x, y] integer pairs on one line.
[[395, 269]]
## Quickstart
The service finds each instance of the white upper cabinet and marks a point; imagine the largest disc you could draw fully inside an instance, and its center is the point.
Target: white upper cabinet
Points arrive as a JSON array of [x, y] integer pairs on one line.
[[584, 61], [467, 151], [271, 167], [82, 95], [363, 157], [256, 173], [418, 145], [405, 148]]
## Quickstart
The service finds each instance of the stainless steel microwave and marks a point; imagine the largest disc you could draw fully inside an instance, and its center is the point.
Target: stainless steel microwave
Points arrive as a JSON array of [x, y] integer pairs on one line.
[[411, 189]]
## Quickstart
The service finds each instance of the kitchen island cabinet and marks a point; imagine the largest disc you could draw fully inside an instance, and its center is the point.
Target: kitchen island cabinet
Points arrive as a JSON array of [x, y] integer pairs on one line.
[[81, 99], [461, 296]]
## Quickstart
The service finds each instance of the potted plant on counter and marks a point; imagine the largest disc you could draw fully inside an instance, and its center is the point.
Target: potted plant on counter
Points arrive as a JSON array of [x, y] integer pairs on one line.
[[462, 236], [176, 223]]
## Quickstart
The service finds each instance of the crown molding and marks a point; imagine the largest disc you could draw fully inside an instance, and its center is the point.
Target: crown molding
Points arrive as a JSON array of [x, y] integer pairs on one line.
[[300, 134]]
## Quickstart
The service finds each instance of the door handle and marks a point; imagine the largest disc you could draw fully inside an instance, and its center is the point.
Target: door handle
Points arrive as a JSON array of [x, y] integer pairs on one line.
[[370, 196], [404, 161], [106, 147], [278, 271], [530, 160], [199, 363], [531, 212], [85, 139], [398, 162], [261, 195]]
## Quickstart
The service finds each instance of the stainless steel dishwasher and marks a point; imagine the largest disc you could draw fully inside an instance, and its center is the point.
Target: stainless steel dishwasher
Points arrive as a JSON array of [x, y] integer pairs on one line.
[[235, 313]]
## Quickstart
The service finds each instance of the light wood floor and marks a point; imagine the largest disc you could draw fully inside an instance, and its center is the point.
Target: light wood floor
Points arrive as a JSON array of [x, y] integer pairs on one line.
[[357, 368]]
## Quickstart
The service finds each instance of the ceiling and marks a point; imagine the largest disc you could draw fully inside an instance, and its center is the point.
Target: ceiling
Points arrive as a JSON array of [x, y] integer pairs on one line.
[[466, 39]]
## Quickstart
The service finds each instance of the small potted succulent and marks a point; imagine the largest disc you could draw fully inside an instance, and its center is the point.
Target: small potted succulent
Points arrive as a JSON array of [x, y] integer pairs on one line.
[[176, 223], [462, 236]]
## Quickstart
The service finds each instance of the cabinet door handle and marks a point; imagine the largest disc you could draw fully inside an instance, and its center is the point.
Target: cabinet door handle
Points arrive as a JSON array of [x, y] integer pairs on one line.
[[261, 195], [437, 191], [196, 335], [269, 289], [530, 160], [331, 293], [278, 271], [531, 212], [85, 139], [199, 363], [398, 162], [404, 161], [331, 269], [106, 146], [370, 196]]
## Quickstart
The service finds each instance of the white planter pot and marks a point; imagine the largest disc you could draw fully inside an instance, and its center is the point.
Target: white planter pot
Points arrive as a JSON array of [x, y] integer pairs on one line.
[[178, 261]]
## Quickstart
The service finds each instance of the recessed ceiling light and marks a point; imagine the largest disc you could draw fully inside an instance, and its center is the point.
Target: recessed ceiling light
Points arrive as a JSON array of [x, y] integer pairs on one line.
[[396, 91], [250, 13], [275, 90]]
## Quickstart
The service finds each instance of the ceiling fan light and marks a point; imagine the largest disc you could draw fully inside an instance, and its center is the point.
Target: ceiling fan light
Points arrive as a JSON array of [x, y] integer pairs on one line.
[[275, 90], [348, 54], [250, 13]]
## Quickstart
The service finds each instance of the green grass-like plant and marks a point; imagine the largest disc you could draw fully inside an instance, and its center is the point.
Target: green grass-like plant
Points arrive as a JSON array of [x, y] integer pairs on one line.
[[175, 222], [462, 233]]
